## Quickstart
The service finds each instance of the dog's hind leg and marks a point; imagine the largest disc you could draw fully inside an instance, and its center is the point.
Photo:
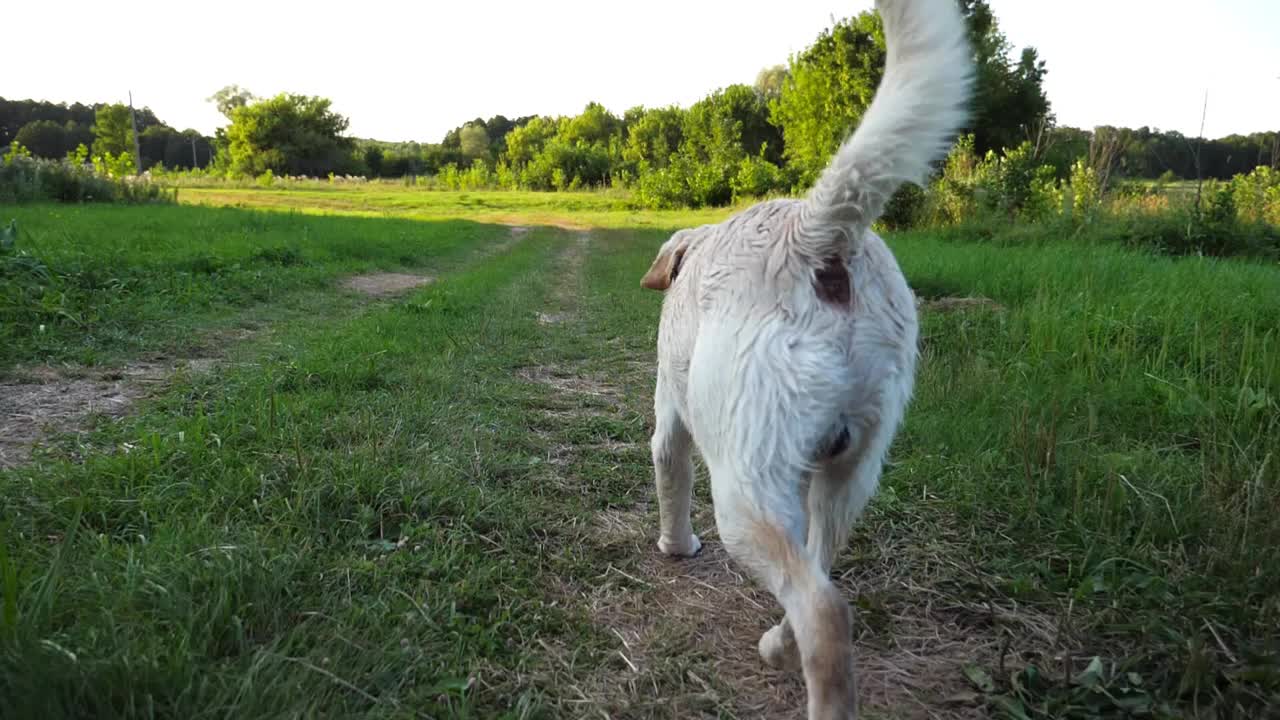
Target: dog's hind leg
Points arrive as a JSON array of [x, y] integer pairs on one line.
[[673, 473], [771, 548], [838, 492]]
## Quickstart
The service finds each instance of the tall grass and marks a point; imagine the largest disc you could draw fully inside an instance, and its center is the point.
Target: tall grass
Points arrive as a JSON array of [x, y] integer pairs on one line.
[[1116, 431]]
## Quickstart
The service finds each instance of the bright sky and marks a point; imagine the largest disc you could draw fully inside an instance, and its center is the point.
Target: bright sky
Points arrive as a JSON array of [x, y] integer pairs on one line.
[[411, 71]]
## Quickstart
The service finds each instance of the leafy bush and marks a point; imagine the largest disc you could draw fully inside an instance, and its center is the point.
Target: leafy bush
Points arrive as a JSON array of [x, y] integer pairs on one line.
[[662, 187], [756, 177], [119, 165], [1086, 191], [951, 197], [906, 208], [1256, 195], [27, 179]]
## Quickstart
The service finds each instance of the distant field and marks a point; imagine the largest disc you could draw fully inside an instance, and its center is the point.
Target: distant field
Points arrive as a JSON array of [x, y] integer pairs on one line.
[[438, 502], [569, 209]]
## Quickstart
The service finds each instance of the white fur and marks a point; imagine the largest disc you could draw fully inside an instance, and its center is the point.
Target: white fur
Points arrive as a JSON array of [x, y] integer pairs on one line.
[[760, 373]]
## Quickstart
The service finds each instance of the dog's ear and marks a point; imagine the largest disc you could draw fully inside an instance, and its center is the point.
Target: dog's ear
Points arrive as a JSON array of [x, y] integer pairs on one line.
[[666, 265]]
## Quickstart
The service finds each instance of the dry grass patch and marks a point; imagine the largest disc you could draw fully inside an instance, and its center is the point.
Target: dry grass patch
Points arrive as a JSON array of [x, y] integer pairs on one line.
[[40, 402], [382, 285]]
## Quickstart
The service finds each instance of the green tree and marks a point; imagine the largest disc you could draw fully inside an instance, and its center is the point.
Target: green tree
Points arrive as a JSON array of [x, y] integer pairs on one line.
[[653, 135], [231, 98], [727, 148], [770, 80], [112, 131], [1009, 94], [830, 86], [473, 140], [44, 138], [526, 142], [594, 125], [374, 157], [154, 142], [740, 117], [567, 152], [833, 81], [288, 134]]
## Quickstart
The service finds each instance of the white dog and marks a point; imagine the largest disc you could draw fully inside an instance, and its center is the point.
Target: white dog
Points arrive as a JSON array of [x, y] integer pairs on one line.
[[787, 353]]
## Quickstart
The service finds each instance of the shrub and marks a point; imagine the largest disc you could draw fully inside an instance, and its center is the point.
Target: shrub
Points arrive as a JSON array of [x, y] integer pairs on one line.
[[951, 198], [905, 208], [1256, 195], [27, 179], [477, 177], [1086, 192], [756, 177], [120, 165]]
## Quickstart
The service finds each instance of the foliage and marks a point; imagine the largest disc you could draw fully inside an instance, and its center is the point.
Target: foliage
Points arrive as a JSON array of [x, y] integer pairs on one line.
[[771, 80], [1009, 96], [473, 141], [26, 179], [16, 150], [1256, 195], [114, 166], [53, 130], [830, 86], [112, 130], [832, 83], [288, 134], [653, 136], [756, 177], [231, 98], [1016, 188], [162, 145], [44, 138], [736, 142], [1086, 192]]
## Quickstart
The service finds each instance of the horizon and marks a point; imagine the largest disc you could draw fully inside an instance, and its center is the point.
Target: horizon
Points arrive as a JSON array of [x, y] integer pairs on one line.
[[1236, 66]]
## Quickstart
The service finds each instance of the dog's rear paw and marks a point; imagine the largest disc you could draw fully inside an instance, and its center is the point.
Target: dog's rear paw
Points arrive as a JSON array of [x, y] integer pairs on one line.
[[778, 648], [688, 548]]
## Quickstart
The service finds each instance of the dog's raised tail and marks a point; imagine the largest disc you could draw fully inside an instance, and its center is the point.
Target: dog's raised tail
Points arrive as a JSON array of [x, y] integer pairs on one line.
[[921, 102]]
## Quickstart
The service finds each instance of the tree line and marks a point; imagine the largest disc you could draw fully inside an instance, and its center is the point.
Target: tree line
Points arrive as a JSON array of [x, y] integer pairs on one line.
[[741, 140], [56, 130]]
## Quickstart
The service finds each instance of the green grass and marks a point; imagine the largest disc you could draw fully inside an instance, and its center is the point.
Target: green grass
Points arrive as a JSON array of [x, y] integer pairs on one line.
[[571, 209], [383, 512], [125, 280]]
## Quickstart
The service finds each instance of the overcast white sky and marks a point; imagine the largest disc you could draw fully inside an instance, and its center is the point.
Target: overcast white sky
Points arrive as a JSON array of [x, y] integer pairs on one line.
[[411, 71]]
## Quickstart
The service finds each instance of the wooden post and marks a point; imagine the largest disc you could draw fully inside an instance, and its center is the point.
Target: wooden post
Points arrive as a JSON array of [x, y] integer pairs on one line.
[[137, 146]]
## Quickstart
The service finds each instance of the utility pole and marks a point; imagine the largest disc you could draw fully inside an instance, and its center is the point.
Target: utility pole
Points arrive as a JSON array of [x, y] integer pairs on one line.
[[1199, 172], [194, 163], [137, 146]]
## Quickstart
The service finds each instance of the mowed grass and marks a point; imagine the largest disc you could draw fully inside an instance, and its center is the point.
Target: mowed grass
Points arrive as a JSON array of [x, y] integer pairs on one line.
[[393, 510], [579, 210], [117, 280]]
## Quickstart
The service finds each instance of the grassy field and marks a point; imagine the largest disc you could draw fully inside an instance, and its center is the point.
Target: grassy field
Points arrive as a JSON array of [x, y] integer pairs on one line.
[[570, 210], [439, 503]]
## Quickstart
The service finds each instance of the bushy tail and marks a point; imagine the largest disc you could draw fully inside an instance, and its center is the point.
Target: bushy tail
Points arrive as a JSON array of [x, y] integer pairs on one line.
[[921, 102]]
